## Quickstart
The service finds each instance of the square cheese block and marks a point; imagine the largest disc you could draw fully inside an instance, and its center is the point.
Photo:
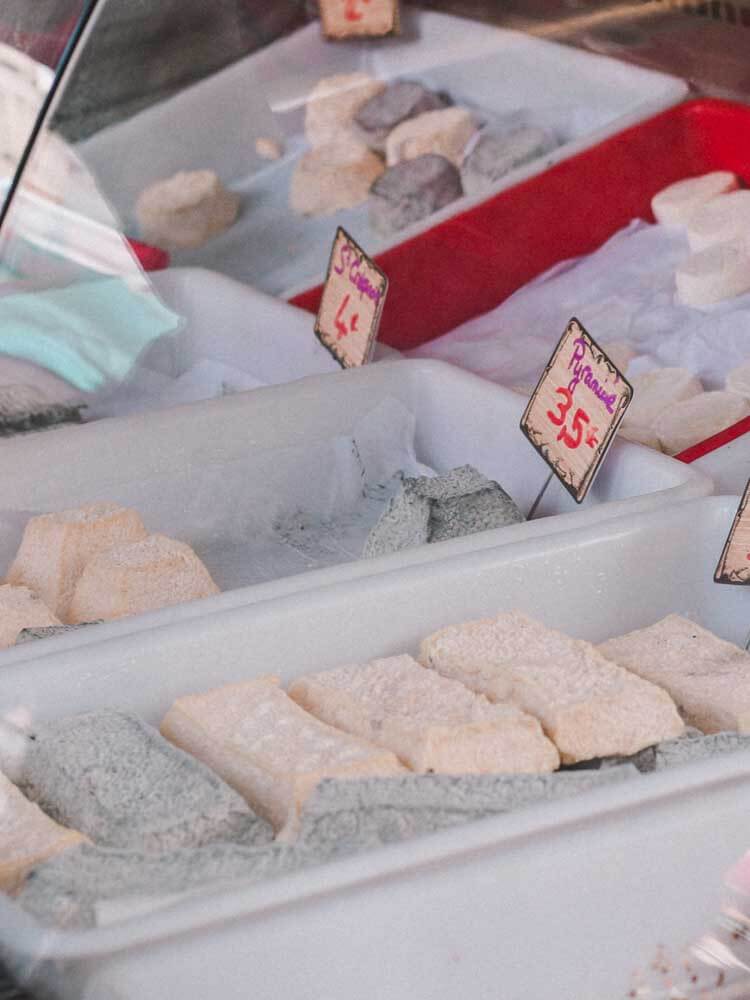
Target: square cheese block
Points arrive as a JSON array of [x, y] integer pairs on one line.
[[589, 707], [333, 104], [333, 177], [431, 723], [55, 548], [708, 678], [445, 133], [715, 273], [27, 836], [693, 420], [186, 211], [156, 572], [267, 748], [675, 204], [21, 609], [114, 778]]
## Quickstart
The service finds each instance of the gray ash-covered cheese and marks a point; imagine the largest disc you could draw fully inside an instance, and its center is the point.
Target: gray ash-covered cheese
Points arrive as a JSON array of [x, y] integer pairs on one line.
[[113, 778], [496, 154], [433, 509], [692, 745], [47, 631], [399, 101], [411, 191]]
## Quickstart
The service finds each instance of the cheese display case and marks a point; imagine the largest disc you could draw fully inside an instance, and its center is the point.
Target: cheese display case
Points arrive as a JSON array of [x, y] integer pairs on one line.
[[394, 682]]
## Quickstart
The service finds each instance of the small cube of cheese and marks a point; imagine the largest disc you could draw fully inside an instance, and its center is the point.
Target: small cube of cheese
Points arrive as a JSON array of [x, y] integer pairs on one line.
[[267, 748], [431, 723], [588, 706]]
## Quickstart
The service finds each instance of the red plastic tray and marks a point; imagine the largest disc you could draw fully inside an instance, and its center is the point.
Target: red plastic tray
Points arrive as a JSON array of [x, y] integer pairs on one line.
[[470, 263]]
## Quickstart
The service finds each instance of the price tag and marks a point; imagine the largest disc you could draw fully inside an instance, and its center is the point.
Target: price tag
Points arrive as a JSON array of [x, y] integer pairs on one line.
[[352, 303], [734, 565], [576, 409], [359, 18]]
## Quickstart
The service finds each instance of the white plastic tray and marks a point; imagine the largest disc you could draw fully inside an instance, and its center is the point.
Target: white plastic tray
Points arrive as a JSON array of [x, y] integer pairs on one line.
[[213, 473], [581, 96], [560, 900]]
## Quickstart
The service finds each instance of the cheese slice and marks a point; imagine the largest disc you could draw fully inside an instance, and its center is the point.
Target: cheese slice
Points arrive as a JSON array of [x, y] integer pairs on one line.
[[27, 836], [55, 548], [714, 274], [267, 748], [696, 419], [446, 133], [431, 723], [675, 204], [587, 705], [20, 609], [708, 678], [719, 220]]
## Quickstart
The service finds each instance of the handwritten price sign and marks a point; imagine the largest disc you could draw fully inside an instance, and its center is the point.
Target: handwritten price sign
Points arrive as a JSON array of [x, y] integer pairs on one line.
[[359, 18], [352, 303], [734, 565], [576, 409]]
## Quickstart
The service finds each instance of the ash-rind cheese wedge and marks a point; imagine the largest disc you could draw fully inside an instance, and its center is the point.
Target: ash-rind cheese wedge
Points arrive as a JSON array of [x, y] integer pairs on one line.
[[431, 723], [708, 678], [56, 547], [719, 220], [267, 748], [116, 780], [675, 204], [27, 836], [714, 274], [698, 418], [155, 572], [589, 707], [21, 609]]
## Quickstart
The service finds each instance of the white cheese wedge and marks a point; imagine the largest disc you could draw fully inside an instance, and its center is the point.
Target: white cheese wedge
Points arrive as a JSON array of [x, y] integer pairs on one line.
[[738, 380], [431, 723], [657, 391], [445, 132], [675, 204], [717, 273], [589, 707], [155, 572], [333, 104], [708, 678], [334, 177], [268, 748], [186, 211], [56, 547], [27, 836], [20, 609], [719, 220], [696, 419]]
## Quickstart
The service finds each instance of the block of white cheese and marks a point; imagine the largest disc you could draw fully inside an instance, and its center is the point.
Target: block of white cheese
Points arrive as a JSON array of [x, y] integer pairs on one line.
[[738, 380], [269, 749], [56, 547], [185, 211], [333, 177], [446, 133], [675, 204], [714, 274], [431, 723], [333, 104], [27, 836], [129, 579], [588, 706], [719, 220], [640, 434], [708, 678], [696, 419], [20, 609], [657, 391]]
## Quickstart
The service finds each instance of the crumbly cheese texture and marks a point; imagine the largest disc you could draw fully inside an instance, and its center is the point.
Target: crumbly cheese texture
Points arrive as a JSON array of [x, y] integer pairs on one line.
[[675, 204], [27, 836], [708, 678], [141, 576], [446, 133], [21, 609], [56, 548], [185, 211], [268, 748], [431, 723], [715, 273], [333, 177], [719, 220], [333, 104], [589, 707], [696, 419]]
